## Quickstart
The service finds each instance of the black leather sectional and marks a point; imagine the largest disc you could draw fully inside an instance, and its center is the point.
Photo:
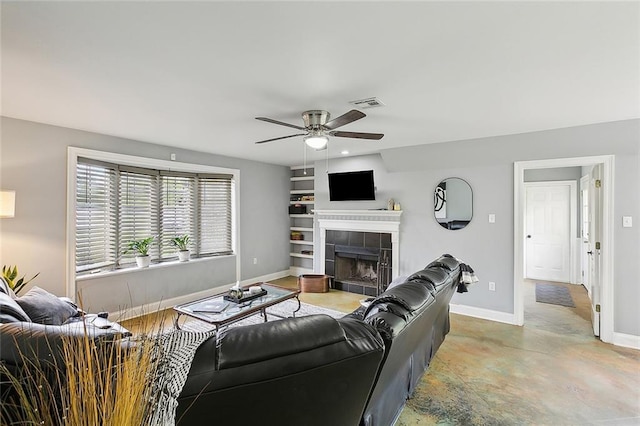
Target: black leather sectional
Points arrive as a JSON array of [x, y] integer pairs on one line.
[[314, 370]]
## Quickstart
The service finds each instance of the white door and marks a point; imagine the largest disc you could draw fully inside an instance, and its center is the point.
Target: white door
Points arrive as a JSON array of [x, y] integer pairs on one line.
[[548, 231], [595, 276], [585, 229]]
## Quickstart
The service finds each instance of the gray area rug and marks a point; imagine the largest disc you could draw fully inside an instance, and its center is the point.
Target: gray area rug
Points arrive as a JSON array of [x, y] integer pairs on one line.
[[554, 295], [284, 309]]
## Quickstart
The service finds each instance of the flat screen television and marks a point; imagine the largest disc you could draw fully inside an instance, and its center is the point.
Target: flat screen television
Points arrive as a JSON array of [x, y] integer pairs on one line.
[[351, 186]]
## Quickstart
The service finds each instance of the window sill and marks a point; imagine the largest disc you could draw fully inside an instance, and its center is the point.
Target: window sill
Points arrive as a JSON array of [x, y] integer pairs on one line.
[[135, 269]]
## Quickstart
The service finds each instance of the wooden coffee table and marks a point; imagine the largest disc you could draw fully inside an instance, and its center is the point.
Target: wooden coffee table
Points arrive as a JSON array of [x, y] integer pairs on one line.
[[220, 313]]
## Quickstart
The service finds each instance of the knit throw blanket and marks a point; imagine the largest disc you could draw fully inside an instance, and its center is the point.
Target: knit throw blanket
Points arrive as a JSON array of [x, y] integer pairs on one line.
[[174, 352], [467, 277]]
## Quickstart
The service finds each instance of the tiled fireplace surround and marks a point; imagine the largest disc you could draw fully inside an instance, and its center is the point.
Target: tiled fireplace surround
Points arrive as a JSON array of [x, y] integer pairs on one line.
[[362, 230]]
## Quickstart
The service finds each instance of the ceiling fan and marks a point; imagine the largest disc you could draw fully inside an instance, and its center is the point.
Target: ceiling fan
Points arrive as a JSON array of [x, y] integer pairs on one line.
[[317, 128]]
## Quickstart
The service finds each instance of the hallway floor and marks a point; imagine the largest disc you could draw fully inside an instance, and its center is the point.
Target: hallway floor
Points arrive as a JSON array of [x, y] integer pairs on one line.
[[552, 371]]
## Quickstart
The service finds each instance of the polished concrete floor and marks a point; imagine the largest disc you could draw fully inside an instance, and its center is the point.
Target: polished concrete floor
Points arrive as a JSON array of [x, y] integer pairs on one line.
[[552, 371]]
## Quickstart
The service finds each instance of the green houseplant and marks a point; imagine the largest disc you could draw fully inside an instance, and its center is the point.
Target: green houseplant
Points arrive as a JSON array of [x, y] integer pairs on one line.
[[141, 247], [10, 274], [182, 244]]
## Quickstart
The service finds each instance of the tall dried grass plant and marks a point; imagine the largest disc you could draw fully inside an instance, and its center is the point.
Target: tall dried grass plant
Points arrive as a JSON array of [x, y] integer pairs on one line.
[[103, 382]]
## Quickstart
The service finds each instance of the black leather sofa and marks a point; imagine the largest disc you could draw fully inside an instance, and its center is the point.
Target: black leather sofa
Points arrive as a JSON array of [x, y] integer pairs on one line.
[[315, 370], [312, 370], [357, 370], [413, 320]]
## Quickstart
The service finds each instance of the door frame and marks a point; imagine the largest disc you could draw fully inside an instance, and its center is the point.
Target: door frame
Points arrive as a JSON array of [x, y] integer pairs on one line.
[[584, 262], [573, 220], [607, 287]]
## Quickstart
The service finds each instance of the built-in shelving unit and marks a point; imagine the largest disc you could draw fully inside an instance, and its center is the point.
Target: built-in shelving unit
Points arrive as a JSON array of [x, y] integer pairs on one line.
[[302, 196]]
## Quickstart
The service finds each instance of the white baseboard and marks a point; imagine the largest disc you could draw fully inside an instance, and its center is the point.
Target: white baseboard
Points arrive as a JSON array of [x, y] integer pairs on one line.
[[481, 313], [296, 271], [164, 304], [619, 339], [626, 340]]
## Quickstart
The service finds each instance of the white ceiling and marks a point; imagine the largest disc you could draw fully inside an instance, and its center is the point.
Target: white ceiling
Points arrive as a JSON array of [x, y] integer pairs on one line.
[[195, 74]]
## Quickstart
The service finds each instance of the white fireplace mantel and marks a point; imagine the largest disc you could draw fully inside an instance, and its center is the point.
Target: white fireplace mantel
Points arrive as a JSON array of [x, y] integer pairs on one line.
[[381, 221]]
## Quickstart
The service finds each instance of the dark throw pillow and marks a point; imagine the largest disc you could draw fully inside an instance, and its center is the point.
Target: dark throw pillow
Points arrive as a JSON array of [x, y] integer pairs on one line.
[[10, 311], [45, 308]]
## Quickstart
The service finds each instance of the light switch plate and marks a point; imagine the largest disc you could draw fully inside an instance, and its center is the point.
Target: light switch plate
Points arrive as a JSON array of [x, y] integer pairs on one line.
[[627, 221], [492, 218]]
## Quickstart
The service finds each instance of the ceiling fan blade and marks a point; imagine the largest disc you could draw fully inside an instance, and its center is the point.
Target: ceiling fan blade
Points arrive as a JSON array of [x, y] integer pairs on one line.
[[270, 120], [346, 118], [357, 135], [283, 137]]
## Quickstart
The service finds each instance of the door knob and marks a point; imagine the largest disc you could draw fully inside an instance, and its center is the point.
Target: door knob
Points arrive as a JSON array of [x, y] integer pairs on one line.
[[589, 252], [528, 236]]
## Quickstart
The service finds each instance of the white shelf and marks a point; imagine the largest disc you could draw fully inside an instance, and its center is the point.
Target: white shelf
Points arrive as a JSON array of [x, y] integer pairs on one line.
[[302, 185], [304, 256], [302, 242], [301, 178]]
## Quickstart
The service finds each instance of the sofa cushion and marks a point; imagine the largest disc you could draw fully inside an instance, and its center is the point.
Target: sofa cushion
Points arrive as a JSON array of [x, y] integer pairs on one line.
[[10, 311], [45, 308], [409, 295], [437, 276], [445, 261], [260, 342]]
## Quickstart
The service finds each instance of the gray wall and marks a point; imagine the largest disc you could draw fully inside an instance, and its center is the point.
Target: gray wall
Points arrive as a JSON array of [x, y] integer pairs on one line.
[[410, 174], [33, 159]]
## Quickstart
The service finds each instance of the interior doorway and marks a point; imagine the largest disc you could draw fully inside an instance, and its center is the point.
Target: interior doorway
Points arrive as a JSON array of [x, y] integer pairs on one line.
[[602, 296], [550, 224]]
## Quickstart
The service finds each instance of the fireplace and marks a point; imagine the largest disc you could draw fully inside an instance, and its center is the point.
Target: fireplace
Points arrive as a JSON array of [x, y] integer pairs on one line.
[[359, 249], [358, 261]]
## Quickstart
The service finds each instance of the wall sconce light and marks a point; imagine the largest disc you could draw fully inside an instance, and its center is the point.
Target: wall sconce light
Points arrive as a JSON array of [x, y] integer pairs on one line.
[[7, 204]]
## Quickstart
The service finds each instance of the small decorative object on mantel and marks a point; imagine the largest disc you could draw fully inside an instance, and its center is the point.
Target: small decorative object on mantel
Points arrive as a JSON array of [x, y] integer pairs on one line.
[[390, 204]]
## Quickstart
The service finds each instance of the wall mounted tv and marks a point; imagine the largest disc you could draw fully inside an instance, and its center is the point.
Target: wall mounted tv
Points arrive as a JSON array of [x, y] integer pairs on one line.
[[351, 186]]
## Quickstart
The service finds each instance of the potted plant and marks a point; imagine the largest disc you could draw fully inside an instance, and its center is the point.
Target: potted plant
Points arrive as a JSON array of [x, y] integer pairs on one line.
[[10, 274], [182, 244], [141, 247]]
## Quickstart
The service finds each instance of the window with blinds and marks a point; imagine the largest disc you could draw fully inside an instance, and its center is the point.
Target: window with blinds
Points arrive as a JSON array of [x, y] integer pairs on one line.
[[116, 204], [96, 216]]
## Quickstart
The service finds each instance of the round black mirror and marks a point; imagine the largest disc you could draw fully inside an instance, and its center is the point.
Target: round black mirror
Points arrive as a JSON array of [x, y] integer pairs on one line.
[[453, 203]]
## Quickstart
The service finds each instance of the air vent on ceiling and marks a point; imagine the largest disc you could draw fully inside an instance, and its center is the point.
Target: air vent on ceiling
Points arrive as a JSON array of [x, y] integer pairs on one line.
[[367, 103]]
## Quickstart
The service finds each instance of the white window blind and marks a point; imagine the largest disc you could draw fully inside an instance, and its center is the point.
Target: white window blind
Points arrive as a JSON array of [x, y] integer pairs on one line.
[[138, 216], [116, 204], [215, 214], [96, 214], [178, 211]]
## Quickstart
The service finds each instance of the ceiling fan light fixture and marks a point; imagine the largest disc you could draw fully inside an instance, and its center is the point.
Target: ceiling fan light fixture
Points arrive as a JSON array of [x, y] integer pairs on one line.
[[316, 141]]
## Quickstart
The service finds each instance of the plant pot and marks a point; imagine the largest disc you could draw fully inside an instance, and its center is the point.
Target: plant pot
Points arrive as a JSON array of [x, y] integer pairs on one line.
[[143, 261], [183, 255]]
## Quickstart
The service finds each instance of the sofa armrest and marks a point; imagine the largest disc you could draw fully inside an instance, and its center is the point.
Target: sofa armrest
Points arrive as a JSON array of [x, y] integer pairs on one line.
[[22, 342]]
